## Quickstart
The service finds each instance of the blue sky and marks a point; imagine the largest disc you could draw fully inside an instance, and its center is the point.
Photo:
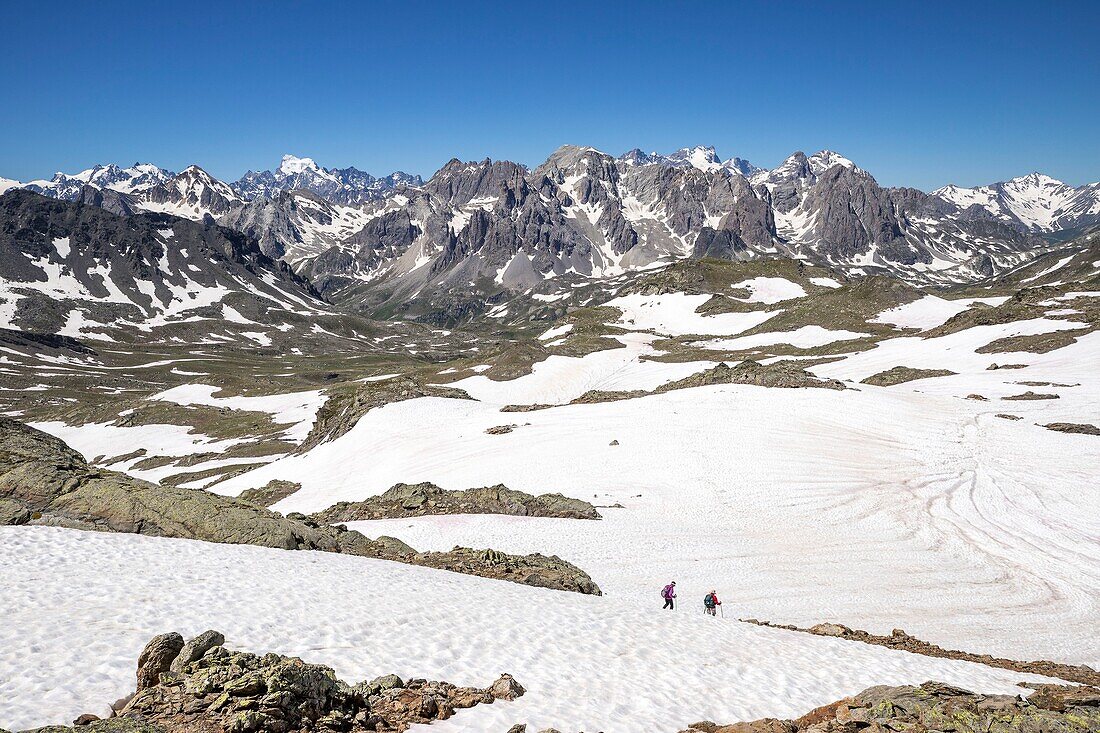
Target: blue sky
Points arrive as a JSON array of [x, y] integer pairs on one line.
[[918, 93]]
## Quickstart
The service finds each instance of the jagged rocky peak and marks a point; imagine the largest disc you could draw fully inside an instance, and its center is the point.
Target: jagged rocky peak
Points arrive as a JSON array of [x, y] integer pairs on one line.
[[1035, 202], [138, 177], [637, 156], [193, 194], [823, 160], [701, 157], [572, 164], [460, 183]]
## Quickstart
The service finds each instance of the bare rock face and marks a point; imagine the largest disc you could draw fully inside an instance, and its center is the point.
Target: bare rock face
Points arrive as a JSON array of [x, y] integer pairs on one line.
[[223, 691], [933, 707]]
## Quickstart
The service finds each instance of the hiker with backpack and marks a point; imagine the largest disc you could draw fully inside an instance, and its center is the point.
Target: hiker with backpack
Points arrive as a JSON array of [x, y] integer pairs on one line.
[[711, 603], [669, 594]]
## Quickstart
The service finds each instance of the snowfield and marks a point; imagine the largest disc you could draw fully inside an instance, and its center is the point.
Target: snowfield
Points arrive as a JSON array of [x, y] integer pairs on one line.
[[70, 644], [886, 508], [560, 379], [673, 314], [298, 409], [917, 506]]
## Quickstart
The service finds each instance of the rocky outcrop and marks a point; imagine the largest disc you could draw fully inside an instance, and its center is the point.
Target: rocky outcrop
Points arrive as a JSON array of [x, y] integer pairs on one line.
[[55, 485], [536, 570], [206, 688], [782, 374], [902, 374], [1030, 395], [43, 481], [417, 500], [1038, 343], [785, 374], [933, 707], [1073, 427], [345, 406], [270, 493], [898, 639]]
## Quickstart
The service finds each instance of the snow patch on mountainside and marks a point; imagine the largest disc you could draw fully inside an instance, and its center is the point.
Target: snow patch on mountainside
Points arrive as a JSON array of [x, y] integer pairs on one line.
[[674, 314], [770, 290], [297, 409]]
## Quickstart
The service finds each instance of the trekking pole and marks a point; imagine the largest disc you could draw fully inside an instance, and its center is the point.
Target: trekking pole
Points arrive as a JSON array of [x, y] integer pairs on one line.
[[723, 611]]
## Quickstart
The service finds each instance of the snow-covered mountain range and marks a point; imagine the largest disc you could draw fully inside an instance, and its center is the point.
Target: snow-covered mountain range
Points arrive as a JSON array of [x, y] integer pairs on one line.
[[1034, 202], [485, 226], [337, 185]]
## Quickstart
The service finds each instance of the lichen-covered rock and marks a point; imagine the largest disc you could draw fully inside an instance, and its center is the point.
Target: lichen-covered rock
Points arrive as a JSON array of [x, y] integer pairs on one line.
[[270, 493], [195, 648], [1072, 427], [223, 691]]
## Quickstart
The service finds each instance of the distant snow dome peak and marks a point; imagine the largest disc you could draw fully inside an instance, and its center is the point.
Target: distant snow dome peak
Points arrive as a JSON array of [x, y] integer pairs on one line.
[[292, 164], [702, 157]]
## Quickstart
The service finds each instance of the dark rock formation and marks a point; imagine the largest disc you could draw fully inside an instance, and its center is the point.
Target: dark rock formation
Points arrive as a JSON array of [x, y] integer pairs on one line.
[[223, 691], [417, 500], [53, 482]]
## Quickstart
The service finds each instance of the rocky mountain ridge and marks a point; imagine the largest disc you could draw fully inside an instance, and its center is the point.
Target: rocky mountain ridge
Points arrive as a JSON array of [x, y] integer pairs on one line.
[[479, 234]]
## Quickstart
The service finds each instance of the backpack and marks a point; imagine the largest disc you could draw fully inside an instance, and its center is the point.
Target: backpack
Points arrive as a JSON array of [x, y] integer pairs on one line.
[[709, 601], [666, 593]]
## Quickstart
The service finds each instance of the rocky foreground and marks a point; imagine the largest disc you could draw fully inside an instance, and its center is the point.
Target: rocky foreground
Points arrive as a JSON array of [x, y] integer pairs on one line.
[[202, 687], [44, 481], [934, 707]]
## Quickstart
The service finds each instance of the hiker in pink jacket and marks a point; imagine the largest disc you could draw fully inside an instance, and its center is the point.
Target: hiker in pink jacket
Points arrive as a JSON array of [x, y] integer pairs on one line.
[[669, 593]]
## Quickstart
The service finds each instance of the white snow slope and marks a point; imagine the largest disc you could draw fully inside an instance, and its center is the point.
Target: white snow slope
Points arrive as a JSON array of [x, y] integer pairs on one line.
[[878, 507], [88, 602]]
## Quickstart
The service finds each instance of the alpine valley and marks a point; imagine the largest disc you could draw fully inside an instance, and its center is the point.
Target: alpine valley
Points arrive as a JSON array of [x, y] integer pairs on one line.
[[262, 439]]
